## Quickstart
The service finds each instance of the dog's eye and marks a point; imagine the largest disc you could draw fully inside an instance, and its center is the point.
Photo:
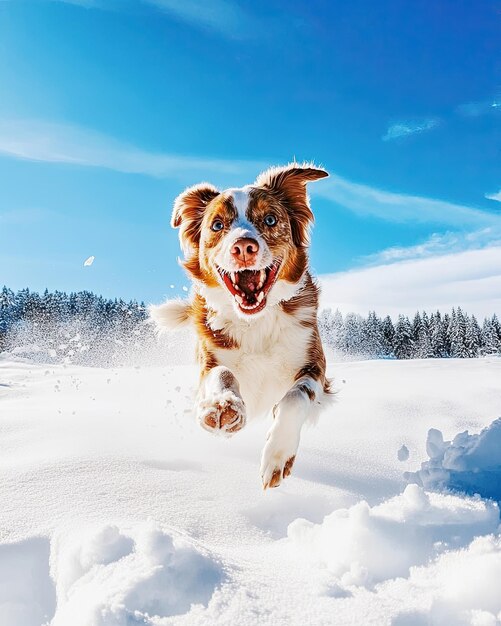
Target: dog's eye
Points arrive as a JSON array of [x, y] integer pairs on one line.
[[270, 220], [217, 225]]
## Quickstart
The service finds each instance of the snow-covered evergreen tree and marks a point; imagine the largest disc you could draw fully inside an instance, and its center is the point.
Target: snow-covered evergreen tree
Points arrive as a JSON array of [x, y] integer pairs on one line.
[[373, 336], [437, 336], [388, 336], [421, 337], [353, 335], [490, 341], [458, 334], [473, 337], [446, 332], [497, 327], [403, 338]]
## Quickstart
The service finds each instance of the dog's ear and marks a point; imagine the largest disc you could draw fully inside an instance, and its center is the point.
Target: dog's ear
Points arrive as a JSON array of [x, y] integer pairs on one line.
[[188, 212], [288, 183]]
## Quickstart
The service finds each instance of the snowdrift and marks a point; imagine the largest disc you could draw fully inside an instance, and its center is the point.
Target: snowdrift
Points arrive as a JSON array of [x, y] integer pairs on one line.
[[365, 545], [468, 463], [117, 509]]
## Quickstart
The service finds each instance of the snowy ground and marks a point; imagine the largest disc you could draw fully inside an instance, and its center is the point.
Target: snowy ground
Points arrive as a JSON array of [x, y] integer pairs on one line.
[[117, 509]]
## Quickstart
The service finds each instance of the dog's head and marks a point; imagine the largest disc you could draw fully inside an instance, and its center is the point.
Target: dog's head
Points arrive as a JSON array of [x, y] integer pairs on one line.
[[249, 244]]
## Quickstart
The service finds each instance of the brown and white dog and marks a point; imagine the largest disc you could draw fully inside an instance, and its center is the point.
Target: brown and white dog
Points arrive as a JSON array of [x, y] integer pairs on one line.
[[254, 308]]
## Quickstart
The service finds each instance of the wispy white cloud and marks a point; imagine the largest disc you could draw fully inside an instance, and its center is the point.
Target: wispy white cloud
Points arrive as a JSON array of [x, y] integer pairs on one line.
[[225, 17], [470, 279], [476, 109], [65, 143], [402, 129], [396, 207], [494, 196], [399, 130], [437, 244]]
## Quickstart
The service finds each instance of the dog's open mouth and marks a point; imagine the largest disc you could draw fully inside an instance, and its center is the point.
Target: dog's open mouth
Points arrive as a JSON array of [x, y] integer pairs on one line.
[[249, 288]]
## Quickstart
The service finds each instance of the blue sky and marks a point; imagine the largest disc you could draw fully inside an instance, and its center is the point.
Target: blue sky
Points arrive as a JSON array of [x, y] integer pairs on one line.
[[109, 108]]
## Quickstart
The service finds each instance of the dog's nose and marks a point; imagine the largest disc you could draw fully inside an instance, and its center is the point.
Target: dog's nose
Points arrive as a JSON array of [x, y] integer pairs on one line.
[[244, 251]]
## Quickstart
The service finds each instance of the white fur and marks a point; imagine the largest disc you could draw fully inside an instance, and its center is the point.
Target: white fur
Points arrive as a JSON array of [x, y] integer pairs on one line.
[[272, 350], [240, 198], [290, 414], [170, 315], [214, 397], [273, 344], [242, 228]]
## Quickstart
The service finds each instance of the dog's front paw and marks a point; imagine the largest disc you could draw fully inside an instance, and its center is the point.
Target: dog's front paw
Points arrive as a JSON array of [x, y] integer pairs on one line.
[[277, 459], [223, 413]]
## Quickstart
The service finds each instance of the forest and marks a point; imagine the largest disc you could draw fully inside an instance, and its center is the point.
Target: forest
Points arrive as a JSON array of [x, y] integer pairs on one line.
[[85, 328]]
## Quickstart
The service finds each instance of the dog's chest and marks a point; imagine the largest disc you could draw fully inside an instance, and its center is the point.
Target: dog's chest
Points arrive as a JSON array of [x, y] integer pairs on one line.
[[271, 351]]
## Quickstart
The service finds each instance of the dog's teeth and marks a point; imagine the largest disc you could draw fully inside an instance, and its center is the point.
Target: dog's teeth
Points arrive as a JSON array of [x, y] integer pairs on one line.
[[233, 277], [262, 278], [239, 299], [260, 296]]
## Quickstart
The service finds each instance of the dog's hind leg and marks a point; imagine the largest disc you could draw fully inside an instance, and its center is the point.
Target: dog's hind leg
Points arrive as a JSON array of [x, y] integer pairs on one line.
[[300, 403], [220, 407]]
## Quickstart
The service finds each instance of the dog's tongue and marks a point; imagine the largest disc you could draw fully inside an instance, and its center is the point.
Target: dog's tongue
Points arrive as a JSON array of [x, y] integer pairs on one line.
[[248, 281]]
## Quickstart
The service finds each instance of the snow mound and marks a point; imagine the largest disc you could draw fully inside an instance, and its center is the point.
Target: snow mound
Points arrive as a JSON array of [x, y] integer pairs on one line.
[[110, 577], [403, 453], [463, 586], [469, 463], [364, 545]]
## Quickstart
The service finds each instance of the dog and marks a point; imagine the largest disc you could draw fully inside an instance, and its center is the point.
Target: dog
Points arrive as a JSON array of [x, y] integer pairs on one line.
[[254, 308]]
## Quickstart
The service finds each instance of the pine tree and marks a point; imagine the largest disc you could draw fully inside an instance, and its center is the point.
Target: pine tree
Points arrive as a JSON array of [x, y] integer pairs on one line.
[[490, 342], [458, 335], [402, 341], [437, 336], [446, 333], [388, 336], [421, 338], [373, 335], [338, 330], [353, 339], [473, 338], [497, 327]]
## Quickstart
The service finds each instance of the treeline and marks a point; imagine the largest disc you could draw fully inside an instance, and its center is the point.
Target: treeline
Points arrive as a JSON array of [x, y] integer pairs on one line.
[[77, 327], [436, 335], [88, 329]]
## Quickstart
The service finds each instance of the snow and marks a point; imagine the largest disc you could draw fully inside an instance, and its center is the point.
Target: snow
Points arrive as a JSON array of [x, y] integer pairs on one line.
[[124, 511], [408, 529], [460, 588], [89, 261], [108, 576], [468, 463], [403, 453]]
